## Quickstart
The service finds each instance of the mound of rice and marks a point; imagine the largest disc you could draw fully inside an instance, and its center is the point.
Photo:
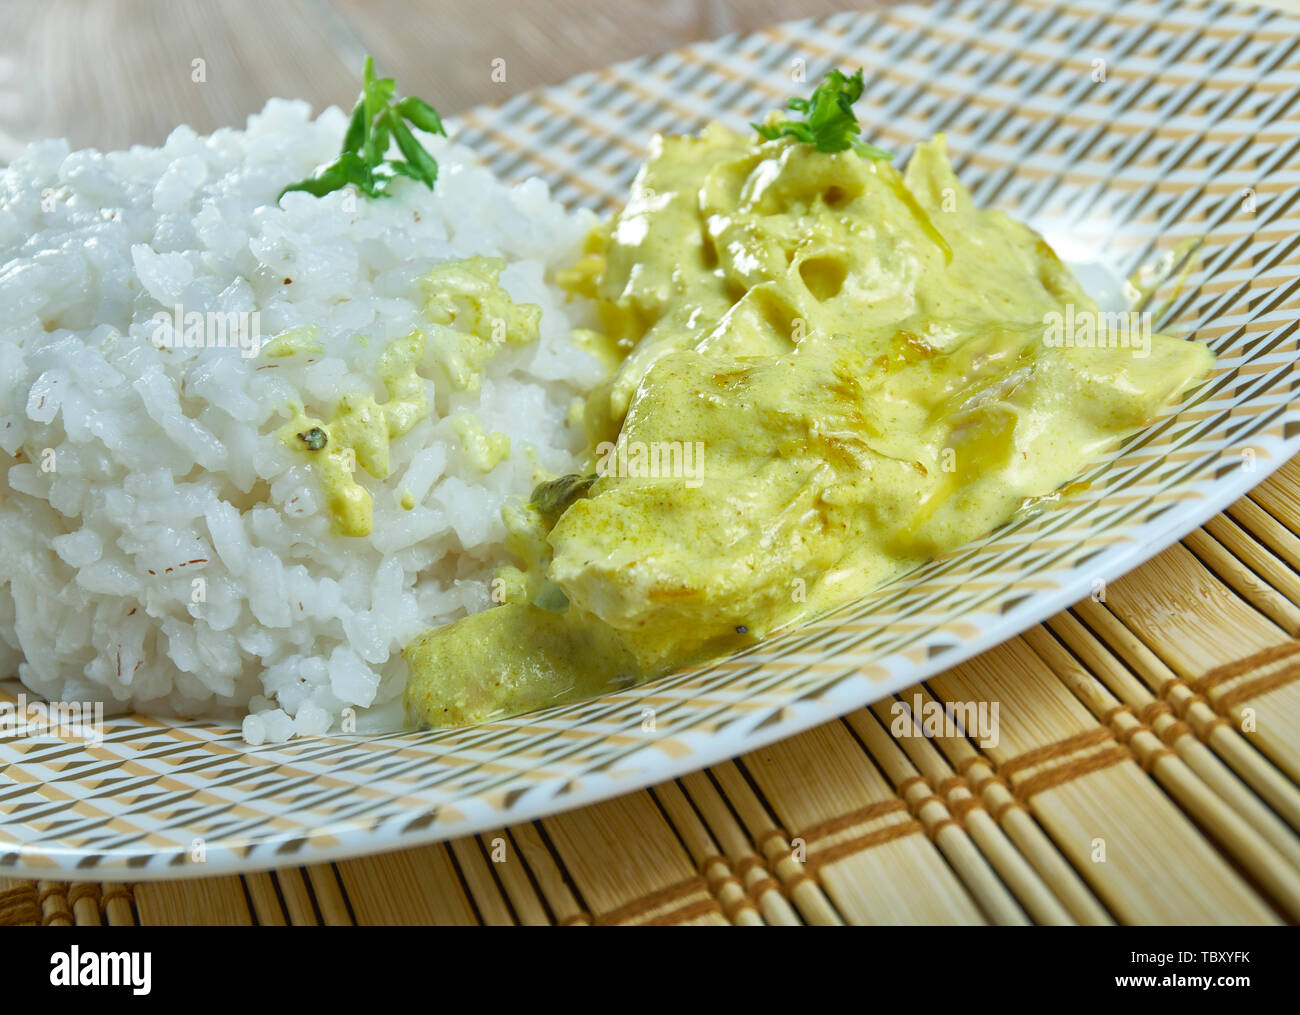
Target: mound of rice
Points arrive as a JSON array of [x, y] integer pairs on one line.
[[128, 471]]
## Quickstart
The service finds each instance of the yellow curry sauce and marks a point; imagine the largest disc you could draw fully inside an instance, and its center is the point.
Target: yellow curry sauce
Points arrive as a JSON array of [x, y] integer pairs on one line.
[[861, 358], [467, 294]]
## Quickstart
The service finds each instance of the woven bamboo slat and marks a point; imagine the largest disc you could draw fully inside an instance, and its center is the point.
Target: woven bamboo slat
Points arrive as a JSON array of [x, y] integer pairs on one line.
[[484, 890], [954, 841], [1090, 794], [1173, 732], [1213, 814], [1017, 871], [1242, 664], [223, 901], [750, 866], [738, 907], [806, 893], [549, 877], [296, 898], [264, 902], [432, 885], [836, 804], [1228, 743], [600, 856], [526, 905]]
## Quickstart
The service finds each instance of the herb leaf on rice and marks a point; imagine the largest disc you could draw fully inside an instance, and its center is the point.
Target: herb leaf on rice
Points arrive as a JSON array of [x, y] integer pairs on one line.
[[376, 122]]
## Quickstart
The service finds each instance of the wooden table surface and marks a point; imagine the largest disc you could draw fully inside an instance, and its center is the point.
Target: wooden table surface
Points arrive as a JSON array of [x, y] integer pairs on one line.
[[113, 73]]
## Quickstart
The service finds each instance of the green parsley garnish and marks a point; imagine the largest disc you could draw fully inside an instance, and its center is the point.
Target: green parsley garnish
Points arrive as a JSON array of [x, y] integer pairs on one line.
[[376, 121], [829, 124]]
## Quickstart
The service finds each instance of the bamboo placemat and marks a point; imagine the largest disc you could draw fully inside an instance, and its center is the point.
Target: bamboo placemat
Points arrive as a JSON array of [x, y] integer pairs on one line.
[[1146, 771]]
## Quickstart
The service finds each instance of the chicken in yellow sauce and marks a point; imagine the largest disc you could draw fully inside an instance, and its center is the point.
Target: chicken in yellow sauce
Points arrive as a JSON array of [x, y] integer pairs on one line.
[[823, 373]]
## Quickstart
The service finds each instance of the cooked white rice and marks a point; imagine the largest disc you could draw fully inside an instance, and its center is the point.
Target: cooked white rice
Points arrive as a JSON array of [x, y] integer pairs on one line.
[[122, 464]]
